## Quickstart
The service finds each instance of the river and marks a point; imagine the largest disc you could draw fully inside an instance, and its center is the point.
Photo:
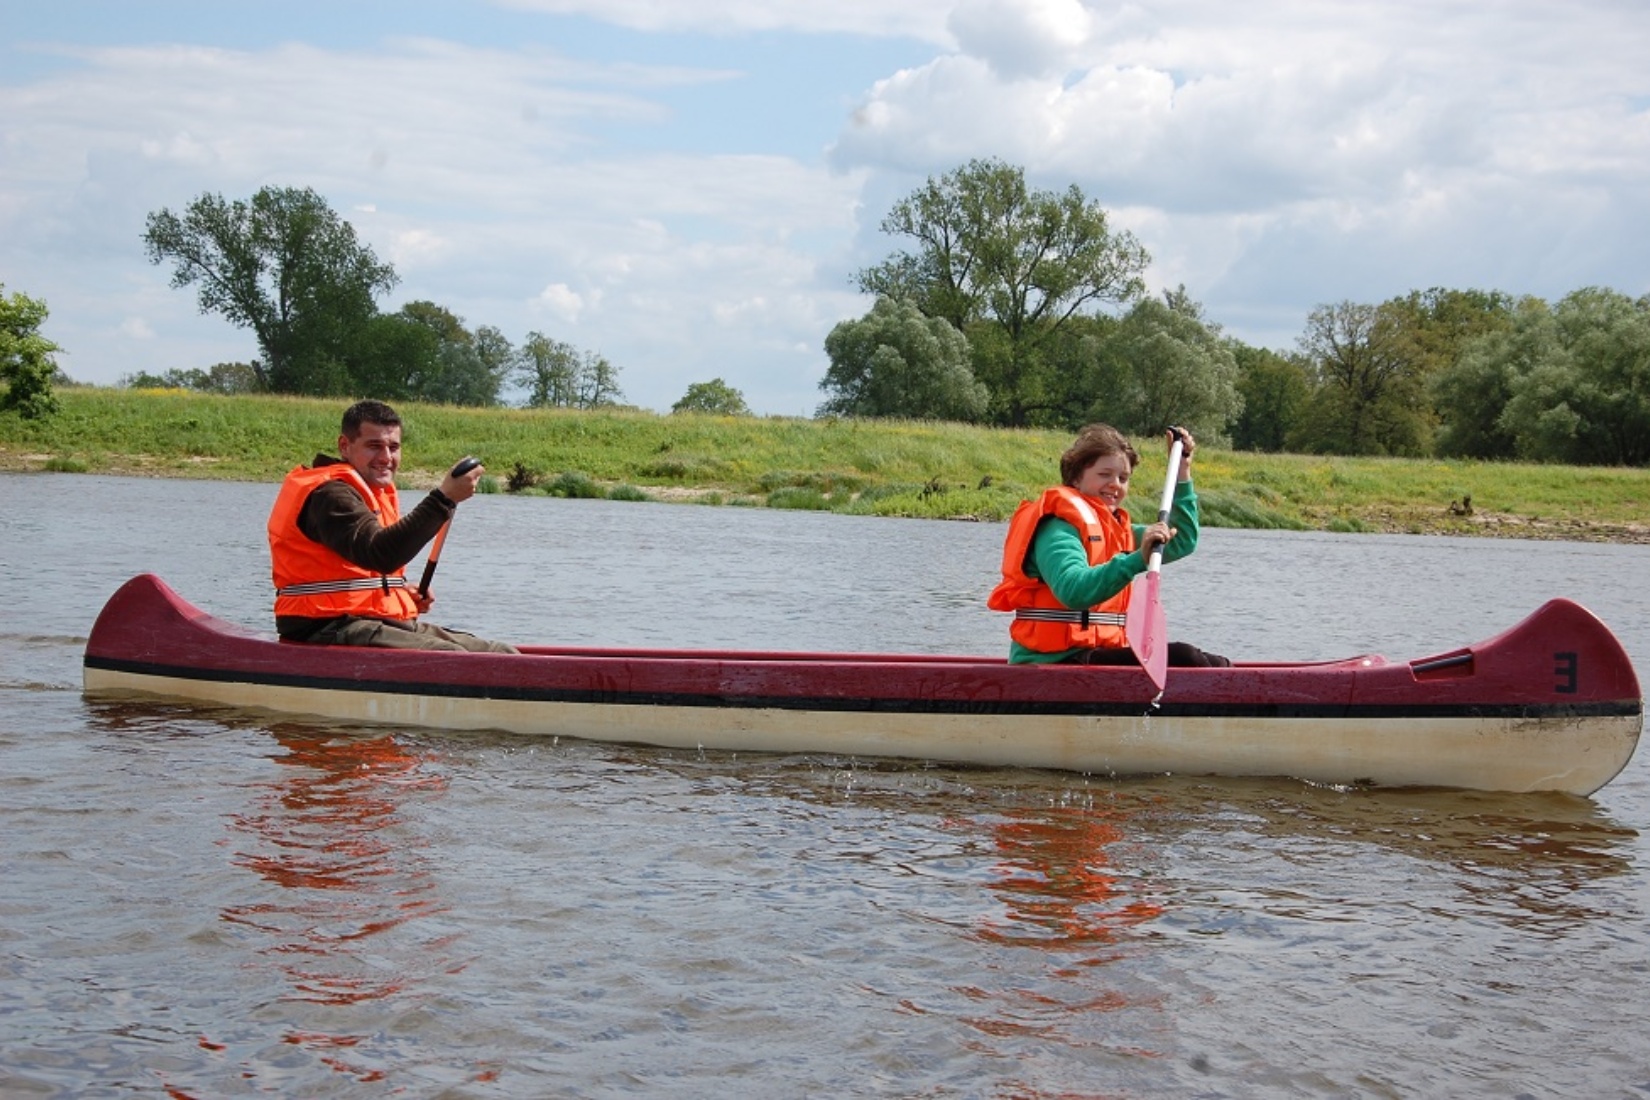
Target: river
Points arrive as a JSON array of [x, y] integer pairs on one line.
[[209, 904]]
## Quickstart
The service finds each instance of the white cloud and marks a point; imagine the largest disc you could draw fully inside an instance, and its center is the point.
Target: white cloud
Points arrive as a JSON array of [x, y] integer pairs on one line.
[[1019, 38], [924, 19], [561, 301]]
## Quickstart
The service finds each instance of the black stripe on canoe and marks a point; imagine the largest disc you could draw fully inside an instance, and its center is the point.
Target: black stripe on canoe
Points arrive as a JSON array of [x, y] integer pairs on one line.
[[1624, 708]]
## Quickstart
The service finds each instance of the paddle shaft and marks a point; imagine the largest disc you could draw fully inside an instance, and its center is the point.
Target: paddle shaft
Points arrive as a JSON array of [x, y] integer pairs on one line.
[[465, 465], [1154, 564]]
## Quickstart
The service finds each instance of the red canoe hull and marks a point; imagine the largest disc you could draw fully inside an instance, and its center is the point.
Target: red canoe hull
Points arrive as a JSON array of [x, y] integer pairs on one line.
[[1551, 704]]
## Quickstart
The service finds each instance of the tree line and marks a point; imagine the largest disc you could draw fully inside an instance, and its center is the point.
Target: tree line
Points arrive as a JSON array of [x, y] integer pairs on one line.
[[1007, 306], [1023, 308]]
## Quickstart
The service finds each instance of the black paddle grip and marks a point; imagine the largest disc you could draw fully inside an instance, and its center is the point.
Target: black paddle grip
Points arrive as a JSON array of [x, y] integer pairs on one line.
[[465, 465]]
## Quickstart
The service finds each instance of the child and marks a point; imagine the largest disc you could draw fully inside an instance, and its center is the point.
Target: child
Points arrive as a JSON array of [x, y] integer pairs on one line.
[[1070, 556]]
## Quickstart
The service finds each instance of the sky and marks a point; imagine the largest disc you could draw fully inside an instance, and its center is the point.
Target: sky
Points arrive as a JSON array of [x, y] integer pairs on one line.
[[688, 187]]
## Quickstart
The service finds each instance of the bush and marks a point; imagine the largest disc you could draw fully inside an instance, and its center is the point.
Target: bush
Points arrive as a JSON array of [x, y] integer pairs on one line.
[[575, 485], [800, 499]]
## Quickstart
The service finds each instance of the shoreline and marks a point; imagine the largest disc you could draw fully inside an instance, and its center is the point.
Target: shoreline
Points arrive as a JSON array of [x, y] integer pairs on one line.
[[1442, 521]]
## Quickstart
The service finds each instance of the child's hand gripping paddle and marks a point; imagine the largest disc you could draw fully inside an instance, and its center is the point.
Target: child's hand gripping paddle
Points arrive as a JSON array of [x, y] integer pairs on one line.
[[465, 465], [1145, 626]]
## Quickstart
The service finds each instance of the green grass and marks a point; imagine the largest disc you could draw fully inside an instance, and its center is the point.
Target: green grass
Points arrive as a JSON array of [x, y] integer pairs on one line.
[[884, 468]]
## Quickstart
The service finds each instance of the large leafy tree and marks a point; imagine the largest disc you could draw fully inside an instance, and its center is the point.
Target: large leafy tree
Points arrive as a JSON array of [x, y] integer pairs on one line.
[[26, 363], [715, 397], [896, 362], [559, 375], [1165, 364], [465, 368], [1434, 326], [1369, 395], [1275, 389], [1472, 393], [1009, 266], [423, 352], [284, 265], [1580, 385]]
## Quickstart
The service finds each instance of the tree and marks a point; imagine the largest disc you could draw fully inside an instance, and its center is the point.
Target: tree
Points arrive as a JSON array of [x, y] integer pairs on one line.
[[1275, 389], [394, 357], [715, 397], [598, 383], [895, 362], [1433, 326], [559, 375], [1164, 364], [224, 378], [991, 253], [1585, 398], [464, 369], [283, 265], [1369, 396], [26, 364], [550, 371], [423, 352], [1472, 393]]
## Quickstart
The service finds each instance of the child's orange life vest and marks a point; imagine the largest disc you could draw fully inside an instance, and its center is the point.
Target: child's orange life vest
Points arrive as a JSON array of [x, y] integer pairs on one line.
[[1041, 621]]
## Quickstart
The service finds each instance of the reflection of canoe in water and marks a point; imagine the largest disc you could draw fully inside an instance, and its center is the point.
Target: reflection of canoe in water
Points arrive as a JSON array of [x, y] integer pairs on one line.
[[1550, 705]]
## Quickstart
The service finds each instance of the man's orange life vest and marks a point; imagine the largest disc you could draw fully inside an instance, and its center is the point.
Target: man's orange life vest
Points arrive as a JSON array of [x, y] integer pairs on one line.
[[315, 582], [1042, 622]]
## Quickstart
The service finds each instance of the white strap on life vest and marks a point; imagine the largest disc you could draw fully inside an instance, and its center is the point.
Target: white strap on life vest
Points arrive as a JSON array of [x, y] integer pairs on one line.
[[353, 584], [1066, 615]]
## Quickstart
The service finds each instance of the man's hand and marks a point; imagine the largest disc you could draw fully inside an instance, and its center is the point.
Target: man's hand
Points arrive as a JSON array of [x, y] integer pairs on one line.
[[460, 482]]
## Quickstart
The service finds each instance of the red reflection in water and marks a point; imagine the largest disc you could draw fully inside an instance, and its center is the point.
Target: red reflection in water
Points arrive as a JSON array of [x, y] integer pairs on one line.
[[1062, 893], [326, 834], [1058, 885]]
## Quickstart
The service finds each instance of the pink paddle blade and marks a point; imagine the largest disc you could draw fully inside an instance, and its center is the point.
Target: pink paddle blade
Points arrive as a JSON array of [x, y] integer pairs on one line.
[[1147, 628]]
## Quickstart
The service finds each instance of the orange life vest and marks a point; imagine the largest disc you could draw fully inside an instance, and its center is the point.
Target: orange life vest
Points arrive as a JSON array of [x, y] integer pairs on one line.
[[1041, 621], [315, 582]]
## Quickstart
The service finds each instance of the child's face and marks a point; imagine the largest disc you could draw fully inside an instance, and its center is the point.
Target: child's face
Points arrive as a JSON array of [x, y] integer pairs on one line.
[[1106, 479]]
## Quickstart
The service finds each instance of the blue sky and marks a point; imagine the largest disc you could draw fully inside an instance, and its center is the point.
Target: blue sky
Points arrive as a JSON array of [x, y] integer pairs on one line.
[[688, 186]]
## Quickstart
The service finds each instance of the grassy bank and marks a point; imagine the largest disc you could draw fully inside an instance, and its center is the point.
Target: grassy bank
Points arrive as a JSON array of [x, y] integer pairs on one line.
[[878, 468]]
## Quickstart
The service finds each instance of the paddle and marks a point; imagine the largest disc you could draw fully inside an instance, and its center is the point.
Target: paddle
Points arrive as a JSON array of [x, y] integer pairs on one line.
[[1147, 631], [465, 465]]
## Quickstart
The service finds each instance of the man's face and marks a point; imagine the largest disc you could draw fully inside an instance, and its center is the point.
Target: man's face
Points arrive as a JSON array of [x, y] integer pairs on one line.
[[375, 453]]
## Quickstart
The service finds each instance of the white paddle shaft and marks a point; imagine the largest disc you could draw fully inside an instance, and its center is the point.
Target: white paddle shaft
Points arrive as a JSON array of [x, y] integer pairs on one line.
[[1154, 564]]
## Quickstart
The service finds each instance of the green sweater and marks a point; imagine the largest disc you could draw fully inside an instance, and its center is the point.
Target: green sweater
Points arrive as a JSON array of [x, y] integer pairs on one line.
[[1059, 558]]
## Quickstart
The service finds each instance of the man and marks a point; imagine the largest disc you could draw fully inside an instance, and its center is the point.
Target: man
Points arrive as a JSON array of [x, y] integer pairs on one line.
[[339, 545]]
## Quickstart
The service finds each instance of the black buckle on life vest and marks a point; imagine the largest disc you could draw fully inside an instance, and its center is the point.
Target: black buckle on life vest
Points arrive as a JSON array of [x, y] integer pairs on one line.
[[1083, 619]]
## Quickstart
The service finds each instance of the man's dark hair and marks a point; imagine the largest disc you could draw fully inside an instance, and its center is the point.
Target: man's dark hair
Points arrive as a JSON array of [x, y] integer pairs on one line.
[[369, 412]]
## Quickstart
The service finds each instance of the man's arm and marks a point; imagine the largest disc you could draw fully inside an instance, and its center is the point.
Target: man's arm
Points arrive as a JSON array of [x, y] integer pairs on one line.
[[335, 516]]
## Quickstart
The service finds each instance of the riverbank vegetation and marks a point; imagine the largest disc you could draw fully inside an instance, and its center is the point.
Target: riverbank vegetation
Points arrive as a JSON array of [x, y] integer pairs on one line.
[[867, 467]]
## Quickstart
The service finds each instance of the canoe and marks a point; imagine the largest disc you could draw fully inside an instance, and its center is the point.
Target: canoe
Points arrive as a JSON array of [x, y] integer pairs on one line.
[[1552, 704]]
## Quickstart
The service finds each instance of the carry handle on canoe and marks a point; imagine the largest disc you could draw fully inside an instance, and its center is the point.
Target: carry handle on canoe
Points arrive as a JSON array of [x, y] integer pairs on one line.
[[464, 466]]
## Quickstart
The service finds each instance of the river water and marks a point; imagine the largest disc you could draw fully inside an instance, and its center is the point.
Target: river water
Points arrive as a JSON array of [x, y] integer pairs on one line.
[[209, 904]]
